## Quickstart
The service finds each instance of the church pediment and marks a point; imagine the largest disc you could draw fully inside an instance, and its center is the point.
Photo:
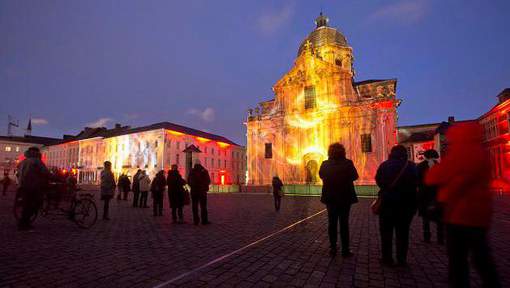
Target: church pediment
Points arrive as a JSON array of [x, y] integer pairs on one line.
[[306, 69]]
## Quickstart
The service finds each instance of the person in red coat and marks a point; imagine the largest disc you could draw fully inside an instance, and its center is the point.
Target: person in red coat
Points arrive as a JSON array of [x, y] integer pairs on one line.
[[463, 178]]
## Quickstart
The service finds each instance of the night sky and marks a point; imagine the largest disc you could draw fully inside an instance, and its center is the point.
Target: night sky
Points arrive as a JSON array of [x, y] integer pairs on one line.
[[204, 63]]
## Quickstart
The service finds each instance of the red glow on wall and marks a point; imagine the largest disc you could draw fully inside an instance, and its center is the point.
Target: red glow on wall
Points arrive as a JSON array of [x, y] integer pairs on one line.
[[202, 140], [384, 104], [223, 144]]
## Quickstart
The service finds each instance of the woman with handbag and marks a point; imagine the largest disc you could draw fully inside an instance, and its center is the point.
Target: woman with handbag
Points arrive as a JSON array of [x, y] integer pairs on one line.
[[176, 194], [397, 179]]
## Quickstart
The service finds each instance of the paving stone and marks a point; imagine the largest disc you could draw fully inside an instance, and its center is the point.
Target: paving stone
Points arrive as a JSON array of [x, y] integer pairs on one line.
[[134, 249]]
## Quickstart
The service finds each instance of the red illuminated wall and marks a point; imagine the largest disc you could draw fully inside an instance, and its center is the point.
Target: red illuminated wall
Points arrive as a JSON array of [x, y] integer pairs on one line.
[[496, 128]]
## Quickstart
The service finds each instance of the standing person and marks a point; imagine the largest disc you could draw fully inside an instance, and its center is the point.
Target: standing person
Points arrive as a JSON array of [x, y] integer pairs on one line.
[[120, 184], [158, 186], [107, 188], [428, 207], [33, 177], [199, 182], [6, 181], [397, 179], [145, 186], [126, 187], [277, 192], [338, 174], [463, 178], [136, 188], [176, 193]]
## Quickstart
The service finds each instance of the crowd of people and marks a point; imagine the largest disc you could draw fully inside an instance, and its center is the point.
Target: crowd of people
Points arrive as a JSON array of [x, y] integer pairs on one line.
[[173, 183], [453, 193]]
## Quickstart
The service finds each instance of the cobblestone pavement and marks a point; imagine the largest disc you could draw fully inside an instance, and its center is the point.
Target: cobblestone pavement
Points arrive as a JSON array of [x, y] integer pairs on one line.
[[134, 249]]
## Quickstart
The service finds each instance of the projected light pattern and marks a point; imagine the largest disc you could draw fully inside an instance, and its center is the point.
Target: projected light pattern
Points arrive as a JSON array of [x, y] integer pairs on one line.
[[317, 103]]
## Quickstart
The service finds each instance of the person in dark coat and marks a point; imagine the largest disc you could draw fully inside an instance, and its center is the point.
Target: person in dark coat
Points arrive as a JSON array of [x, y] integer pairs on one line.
[[107, 188], [397, 180], [176, 194], [277, 192], [463, 178], [120, 183], [126, 187], [6, 181], [338, 174], [199, 182], [158, 186], [33, 180], [428, 208], [136, 187]]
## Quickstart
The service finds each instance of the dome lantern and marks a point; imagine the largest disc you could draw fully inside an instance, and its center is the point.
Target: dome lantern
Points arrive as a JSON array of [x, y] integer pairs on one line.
[[321, 21], [323, 35]]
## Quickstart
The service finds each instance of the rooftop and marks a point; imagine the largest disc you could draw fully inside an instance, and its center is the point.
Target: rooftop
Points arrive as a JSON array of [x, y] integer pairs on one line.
[[173, 127], [31, 139]]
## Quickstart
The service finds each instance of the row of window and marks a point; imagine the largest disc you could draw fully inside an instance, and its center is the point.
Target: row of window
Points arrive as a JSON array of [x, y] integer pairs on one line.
[[366, 146], [12, 149], [491, 129]]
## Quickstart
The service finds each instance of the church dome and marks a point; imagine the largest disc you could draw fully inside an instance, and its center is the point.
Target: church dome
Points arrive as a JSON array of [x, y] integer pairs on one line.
[[323, 35]]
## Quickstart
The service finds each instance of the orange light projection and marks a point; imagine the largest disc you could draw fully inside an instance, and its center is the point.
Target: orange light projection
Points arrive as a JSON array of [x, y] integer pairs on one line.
[[175, 133], [202, 140], [317, 103], [223, 144]]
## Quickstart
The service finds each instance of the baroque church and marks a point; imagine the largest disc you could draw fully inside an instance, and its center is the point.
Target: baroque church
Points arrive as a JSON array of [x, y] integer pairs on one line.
[[315, 104]]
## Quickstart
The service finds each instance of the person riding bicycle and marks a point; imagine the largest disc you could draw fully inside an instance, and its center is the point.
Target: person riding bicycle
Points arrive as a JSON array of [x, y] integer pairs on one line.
[[33, 180]]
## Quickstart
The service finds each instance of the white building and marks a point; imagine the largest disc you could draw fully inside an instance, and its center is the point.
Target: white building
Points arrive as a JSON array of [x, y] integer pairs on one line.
[[151, 148], [12, 149]]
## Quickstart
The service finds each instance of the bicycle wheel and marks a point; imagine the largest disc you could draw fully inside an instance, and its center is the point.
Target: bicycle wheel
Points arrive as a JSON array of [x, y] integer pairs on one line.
[[85, 213], [18, 209]]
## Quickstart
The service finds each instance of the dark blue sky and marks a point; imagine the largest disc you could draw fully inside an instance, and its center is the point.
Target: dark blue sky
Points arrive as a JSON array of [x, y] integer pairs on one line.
[[204, 63]]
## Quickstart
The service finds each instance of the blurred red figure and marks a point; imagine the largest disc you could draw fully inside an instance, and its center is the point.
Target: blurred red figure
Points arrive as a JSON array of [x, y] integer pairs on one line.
[[463, 178]]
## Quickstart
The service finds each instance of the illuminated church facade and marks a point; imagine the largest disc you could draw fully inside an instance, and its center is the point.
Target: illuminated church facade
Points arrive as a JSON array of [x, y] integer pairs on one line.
[[315, 104]]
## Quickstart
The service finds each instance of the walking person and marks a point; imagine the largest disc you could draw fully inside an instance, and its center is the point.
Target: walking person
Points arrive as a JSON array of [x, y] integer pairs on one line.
[[428, 208], [145, 186], [463, 178], [176, 194], [277, 192], [338, 174], [199, 182], [107, 188], [158, 186], [6, 181], [397, 179], [33, 177], [136, 188]]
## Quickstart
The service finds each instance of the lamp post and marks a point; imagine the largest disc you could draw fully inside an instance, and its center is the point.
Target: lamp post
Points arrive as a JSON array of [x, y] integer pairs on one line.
[[189, 157]]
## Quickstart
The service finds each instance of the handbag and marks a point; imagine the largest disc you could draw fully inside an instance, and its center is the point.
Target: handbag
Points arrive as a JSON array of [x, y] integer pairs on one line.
[[375, 206], [186, 198]]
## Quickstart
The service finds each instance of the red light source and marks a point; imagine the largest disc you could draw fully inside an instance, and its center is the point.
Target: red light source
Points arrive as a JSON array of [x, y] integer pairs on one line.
[[223, 144], [174, 132]]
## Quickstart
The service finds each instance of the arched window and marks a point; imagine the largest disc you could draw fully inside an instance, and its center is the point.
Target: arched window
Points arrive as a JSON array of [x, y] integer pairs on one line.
[[338, 62]]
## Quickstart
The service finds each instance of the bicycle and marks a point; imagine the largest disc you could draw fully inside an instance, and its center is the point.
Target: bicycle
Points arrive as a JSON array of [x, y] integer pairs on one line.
[[82, 207]]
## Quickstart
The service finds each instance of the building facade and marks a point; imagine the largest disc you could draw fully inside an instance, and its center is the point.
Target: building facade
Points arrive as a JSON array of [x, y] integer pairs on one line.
[[496, 124], [152, 148], [318, 103], [12, 149]]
